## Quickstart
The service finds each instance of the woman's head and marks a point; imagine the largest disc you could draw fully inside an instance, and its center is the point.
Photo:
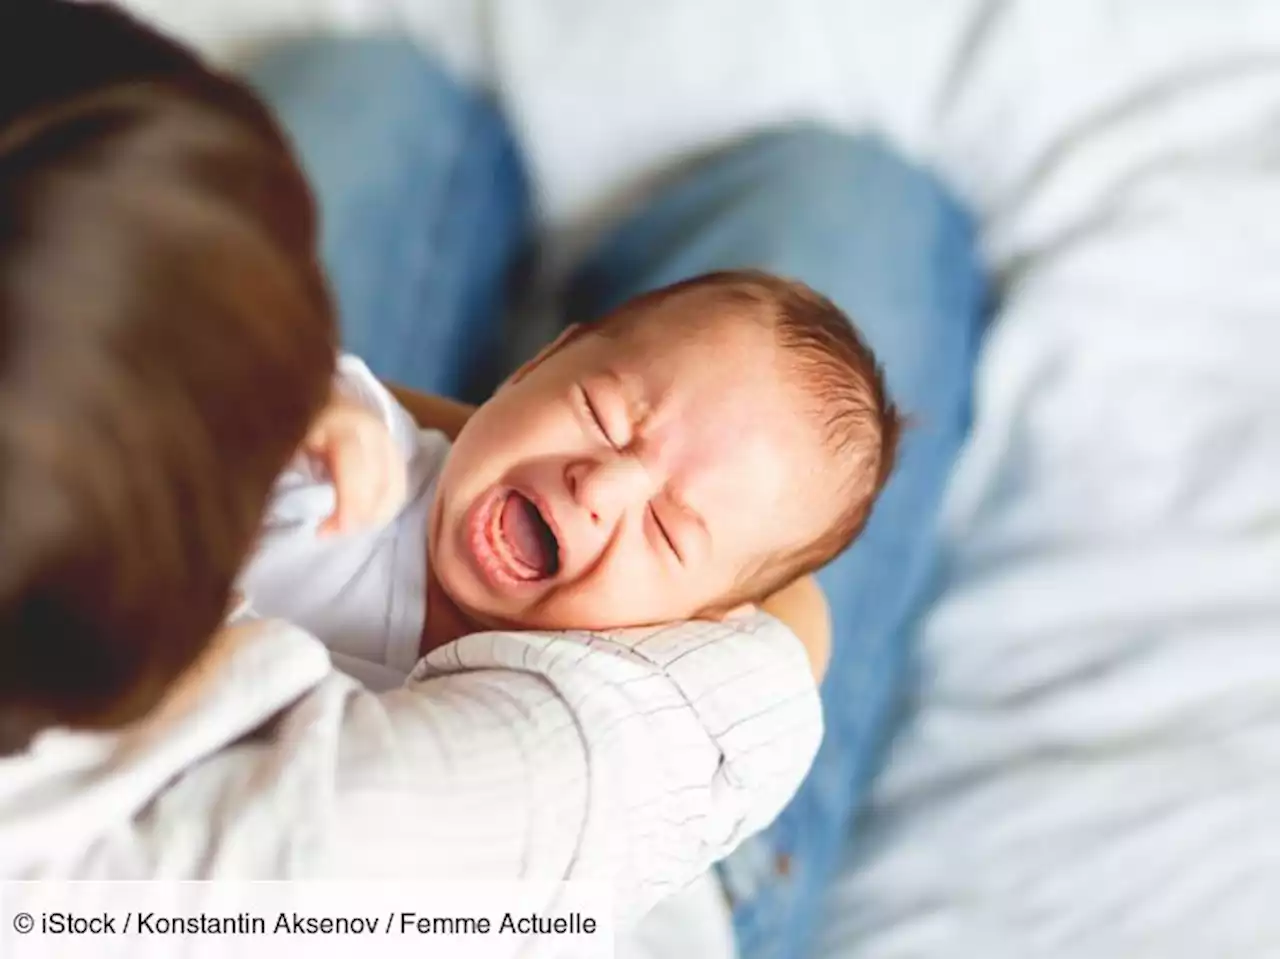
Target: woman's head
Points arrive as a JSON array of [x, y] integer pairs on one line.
[[165, 338]]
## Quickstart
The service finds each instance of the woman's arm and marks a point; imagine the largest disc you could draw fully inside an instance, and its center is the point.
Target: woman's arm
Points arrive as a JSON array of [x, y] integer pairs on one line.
[[630, 762], [433, 412]]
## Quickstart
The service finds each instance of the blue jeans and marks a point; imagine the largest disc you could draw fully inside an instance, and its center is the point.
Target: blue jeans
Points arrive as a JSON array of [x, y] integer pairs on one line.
[[425, 219]]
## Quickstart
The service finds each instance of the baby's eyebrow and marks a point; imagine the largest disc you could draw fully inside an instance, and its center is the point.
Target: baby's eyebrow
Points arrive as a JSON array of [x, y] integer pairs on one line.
[[634, 394]]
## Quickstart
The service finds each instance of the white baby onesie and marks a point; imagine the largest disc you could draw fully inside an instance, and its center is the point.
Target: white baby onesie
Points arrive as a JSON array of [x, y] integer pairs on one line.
[[363, 594]]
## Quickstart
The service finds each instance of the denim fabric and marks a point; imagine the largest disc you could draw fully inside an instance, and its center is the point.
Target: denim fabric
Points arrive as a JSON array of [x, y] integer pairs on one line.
[[425, 208]]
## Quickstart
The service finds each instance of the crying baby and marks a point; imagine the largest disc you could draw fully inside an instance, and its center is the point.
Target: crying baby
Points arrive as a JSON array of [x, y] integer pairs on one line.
[[687, 455]]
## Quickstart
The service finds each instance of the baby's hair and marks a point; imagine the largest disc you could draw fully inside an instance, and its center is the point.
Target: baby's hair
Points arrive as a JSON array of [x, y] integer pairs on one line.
[[841, 381], [165, 338]]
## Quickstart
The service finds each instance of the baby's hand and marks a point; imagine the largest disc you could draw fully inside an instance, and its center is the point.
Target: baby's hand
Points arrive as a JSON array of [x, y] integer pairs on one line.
[[367, 468]]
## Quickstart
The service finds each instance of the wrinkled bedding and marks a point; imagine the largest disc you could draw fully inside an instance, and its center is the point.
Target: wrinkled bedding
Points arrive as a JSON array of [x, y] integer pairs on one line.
[[1093, 764]]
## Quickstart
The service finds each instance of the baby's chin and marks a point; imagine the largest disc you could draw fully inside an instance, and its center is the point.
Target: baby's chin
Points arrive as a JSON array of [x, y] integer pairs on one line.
[[473, 599], [487, 613]]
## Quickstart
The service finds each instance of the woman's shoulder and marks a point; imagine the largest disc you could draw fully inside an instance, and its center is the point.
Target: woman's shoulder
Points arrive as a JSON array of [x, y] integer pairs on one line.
[[73, 794]]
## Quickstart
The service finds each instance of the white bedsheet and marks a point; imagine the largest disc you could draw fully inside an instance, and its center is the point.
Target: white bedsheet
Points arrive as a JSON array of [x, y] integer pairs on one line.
[[1094, 769]]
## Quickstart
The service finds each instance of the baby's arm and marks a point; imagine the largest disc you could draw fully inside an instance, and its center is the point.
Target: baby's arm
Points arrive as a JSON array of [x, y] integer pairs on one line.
[[350, 472], [357, 450]]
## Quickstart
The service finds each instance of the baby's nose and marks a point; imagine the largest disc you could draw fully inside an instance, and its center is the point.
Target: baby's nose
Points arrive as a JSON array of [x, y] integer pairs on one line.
[[610, 487]]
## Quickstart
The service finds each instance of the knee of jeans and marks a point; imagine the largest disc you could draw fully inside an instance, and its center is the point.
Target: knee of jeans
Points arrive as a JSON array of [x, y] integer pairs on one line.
[[368, 114], [378, 86], [909, 273], [833, 163], [363, 65]]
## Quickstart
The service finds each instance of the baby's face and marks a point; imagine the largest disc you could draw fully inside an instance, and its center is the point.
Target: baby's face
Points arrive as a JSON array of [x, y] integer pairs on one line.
[[628, 481]]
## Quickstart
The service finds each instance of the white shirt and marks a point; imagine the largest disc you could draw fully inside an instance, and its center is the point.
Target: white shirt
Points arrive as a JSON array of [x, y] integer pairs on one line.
[[632, 761], [363, 594]]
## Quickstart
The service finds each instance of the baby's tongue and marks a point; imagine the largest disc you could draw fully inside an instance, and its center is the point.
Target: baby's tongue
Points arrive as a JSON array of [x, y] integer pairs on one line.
[[522, 528]]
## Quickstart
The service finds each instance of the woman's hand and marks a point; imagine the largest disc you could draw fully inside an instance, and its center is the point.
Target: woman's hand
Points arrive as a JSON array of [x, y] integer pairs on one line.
[[803, 608]]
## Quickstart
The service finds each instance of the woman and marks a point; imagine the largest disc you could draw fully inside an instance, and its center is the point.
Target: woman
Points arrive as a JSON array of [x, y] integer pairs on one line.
[[166, 338]]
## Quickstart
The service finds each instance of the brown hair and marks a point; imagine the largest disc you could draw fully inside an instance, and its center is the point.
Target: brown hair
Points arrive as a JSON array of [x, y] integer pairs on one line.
[[845, 388], [165, 338]]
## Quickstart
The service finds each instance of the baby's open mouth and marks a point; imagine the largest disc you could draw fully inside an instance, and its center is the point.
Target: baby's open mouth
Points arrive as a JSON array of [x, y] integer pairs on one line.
[[524, 539]]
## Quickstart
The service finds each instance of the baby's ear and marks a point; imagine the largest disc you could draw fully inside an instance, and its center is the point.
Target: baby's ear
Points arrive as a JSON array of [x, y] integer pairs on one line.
[[567, 336]]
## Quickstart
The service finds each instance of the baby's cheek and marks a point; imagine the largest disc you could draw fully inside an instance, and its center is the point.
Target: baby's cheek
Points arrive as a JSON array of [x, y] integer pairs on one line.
[[596, 602], [639, 598]]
